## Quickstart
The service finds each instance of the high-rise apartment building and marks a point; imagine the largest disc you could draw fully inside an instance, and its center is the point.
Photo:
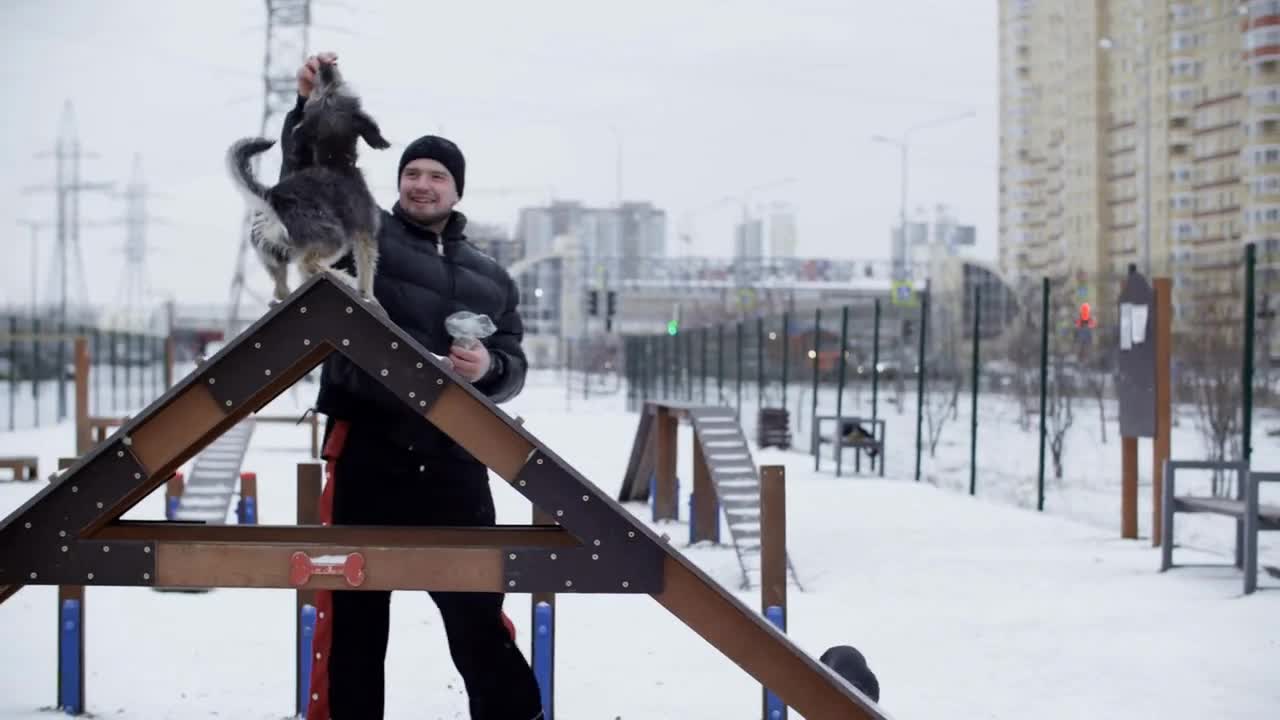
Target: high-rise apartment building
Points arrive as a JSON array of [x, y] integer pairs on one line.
[[1140, 132]]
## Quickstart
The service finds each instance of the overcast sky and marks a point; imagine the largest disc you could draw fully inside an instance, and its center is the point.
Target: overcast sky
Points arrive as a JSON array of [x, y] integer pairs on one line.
[[708, 97]]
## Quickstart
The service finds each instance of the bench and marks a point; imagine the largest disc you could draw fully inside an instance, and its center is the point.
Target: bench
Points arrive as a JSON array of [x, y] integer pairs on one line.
[[23, 467], [1250, 515], [851, 432]]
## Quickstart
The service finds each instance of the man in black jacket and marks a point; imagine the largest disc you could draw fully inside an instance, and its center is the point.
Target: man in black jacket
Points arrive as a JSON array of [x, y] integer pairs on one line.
[[388, 466]]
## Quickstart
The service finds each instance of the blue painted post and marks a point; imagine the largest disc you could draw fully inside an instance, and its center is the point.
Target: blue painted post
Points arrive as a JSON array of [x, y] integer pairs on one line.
[[305, 656], [171, 507], [774, 709], [715, 529], [544, 656], [693, 520], [249, 511], [70, 671]]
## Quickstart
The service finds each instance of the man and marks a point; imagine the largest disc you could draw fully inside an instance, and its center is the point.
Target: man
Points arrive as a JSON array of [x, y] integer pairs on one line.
[[388, 466]]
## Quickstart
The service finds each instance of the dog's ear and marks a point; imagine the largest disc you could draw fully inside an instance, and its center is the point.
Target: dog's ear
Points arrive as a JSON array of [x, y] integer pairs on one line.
[[369, 130]]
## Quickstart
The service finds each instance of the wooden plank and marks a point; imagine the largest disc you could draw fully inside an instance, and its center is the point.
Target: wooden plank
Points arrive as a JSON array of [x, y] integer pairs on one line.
[[757, 647], [480, 431], [502, 536], [773, 549], [84, 434], [203, 565], [705, 515], [1129, 488], [175, 432], [666, 502], [71, 592], [1160, 445]]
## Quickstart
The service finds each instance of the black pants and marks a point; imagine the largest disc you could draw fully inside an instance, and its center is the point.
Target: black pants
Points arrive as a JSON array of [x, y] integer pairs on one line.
[[376, 485]]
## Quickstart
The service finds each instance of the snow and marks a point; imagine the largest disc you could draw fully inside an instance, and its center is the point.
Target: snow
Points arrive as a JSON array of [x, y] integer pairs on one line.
[[966, 607]]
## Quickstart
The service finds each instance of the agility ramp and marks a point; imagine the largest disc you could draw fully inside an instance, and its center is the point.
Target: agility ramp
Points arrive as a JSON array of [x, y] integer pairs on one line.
[[207, 493], [725, 477], [71, 534]]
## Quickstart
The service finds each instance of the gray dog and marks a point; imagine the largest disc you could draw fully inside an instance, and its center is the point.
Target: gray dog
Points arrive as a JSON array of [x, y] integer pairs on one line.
[[324, 209]]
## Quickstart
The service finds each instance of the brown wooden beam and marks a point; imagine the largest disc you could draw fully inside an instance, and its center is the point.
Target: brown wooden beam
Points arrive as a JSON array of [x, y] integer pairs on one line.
[[203, 565], [502, 536], [757, 647], [705, 514], [1160, 444], [666, 503], [8, 591], [1129, 488]]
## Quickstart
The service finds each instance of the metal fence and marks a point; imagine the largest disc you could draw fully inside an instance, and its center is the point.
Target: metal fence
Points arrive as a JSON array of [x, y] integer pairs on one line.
[[37, 371], [1011, 400]]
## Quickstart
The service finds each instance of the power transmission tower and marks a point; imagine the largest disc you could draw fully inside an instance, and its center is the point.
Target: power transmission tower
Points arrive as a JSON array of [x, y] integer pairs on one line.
[[134, 292], [288, 35], [67, 188]]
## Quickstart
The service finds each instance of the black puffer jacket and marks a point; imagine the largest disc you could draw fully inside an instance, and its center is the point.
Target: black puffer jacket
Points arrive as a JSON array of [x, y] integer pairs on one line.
[[422, 278]]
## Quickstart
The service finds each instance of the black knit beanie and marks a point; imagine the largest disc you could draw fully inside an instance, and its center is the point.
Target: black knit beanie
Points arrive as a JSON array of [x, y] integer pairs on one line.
[[434, 147], [849, 664]]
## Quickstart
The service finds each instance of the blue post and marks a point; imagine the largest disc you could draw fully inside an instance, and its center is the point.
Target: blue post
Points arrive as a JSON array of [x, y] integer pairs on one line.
[[305, 655], [544, 655], [715, 513], [248, 511], [693, 520], [774, 709], [653, 496], [171, 507], [70, 673]]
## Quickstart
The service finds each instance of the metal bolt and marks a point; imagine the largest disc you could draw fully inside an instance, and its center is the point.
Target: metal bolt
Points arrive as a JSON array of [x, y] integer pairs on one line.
[[345, 342], [146, 550], [511, 583], [317, 656], [559, 513], [268, 372], [413, 394], [137, 476], [422, 403], [322, 616], [119, 453], [512, 556], [99, 506], [522, 483], [228, 403], [90, 576], [631, 533], [146, 576], [384, 372], [315, 696], [594, 556], [306, 341], [303, 309], [568, 583], [106, 548], [348, 309], [213, 381], [597, 543], [585, 498], [422, 468], [33, 576], [539, 461], [439, 381], [28, 526], [75, 488], [626, 584], [419, 366], [553, 556], [257, 346], [395, 345], [62, 533], [127, 440], [64, 548]]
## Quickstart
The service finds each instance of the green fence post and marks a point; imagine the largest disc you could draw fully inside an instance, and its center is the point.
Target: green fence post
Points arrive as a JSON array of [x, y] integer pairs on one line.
[[35, 368], [759, 364], [738, 347], [719, 364], [924, 330], [813, 419], [875, 365], [844, 344], [13, 370], [973, 406], [786, 354], [1250, 267], [1044, 385], [706, 333]]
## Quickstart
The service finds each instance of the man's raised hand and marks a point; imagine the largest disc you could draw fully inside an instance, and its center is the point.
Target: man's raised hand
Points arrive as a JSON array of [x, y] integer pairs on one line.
[[307, 73]]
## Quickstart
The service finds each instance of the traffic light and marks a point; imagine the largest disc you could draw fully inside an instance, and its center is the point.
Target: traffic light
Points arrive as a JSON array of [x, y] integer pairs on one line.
[[611, 303], [673, 327], [1086, 319], [593, 302]]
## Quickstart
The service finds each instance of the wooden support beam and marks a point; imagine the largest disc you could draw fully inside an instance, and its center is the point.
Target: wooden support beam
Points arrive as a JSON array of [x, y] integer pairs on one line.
[[502, 536], [1160, 444], [706, 516], [84, 434], [65, 593], [666, 501], [310, 479], [1129, 488]]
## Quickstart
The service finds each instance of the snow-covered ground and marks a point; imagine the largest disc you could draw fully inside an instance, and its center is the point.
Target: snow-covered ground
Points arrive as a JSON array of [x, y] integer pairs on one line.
[[965, 607]]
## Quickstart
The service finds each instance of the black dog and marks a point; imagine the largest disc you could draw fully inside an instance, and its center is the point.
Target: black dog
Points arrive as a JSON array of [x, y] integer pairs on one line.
[[321, 211], [849, 664]]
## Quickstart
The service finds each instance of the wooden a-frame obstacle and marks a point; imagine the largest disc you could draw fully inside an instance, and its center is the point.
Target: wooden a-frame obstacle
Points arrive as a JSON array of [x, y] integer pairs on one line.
[[70, 533]]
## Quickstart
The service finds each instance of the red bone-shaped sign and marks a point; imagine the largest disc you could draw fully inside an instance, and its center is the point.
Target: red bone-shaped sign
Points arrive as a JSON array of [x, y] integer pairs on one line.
[[350, 566]]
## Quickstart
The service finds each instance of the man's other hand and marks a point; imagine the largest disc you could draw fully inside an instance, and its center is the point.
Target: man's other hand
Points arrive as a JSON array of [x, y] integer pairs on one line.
[[470, 363], [307, 73]]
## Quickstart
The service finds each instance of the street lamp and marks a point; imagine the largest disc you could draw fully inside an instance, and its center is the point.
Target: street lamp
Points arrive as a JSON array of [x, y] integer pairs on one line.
[[903, 143]]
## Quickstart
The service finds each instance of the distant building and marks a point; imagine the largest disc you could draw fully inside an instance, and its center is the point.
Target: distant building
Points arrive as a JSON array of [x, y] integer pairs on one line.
[[748, 240], [495, 242], [783, 235]]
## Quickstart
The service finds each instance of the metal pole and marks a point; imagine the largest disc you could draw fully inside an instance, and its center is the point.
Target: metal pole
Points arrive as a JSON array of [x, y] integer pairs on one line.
[[786, 347], [759, 364], [1146, 154], [1246, 380], [836, 436], [875, 362], [738, 346], [706, 332], [924, 329], [813, 420], [1044, 384], [719, 364], [973, 380], [13, 369]]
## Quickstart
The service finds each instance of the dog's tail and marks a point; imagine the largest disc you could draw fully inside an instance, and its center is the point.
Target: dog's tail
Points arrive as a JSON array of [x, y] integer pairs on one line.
[[238, 157]]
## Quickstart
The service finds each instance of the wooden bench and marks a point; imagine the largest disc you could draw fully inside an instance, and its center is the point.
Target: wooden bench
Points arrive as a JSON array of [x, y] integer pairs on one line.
[[862, 442], [1251, 516], [23, 467]]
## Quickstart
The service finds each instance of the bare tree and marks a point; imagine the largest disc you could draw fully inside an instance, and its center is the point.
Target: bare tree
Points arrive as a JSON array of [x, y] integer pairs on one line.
[[1096, 360], [943, 382], [1211, 380], [1058, 412]]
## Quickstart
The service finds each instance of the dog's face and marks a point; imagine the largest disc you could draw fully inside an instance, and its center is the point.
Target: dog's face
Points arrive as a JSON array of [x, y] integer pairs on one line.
[[332, 118]]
